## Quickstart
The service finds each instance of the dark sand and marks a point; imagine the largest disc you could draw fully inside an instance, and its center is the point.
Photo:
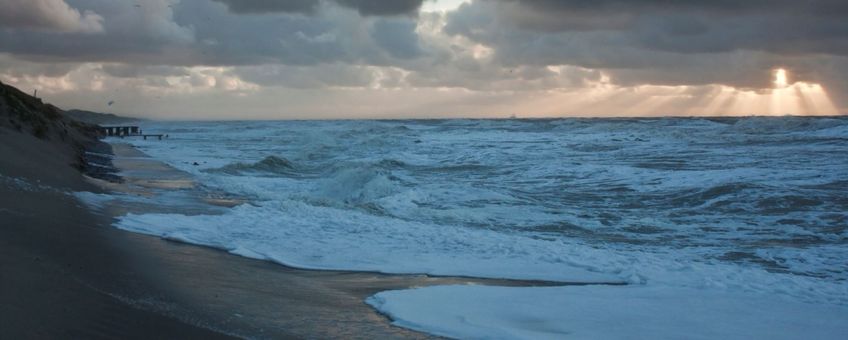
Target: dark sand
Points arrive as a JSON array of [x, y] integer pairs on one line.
[[63, 272]]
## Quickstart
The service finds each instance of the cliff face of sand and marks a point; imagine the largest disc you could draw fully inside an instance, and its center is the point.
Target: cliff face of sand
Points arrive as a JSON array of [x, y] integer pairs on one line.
[[39, 142]]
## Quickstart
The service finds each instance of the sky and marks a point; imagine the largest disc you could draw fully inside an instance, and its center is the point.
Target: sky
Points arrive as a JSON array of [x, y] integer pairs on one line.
[[328, 59]]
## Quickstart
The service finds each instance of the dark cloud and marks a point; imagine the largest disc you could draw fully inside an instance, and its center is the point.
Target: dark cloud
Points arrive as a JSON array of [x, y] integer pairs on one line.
[[485, 45], [662, 42], [722, 7], [364, 7], [270, 6], [327, 37], [782, 26], [146, 34], [382, 7], [398, 37], [203, 32], [48, 15]]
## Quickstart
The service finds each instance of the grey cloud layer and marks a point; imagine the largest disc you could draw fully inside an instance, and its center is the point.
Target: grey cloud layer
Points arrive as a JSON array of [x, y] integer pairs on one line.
[[304, 43], [203, 32], [781, 26], [660, 41], [48, 15]]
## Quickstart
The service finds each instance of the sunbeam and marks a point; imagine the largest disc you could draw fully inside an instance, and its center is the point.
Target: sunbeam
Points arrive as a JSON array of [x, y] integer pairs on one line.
[[785, 98]]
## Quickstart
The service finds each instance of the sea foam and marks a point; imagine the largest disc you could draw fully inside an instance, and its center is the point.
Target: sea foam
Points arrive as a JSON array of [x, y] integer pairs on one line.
[[745, 209]]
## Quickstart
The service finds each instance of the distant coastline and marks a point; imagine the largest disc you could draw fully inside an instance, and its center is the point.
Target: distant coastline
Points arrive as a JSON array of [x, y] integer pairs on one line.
[[100, 118]]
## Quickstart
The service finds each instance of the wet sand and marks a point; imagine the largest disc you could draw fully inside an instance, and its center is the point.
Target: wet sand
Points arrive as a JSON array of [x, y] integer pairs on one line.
[[64, 273]]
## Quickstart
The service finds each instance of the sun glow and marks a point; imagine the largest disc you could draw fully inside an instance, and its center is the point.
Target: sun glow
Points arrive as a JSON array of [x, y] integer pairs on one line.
[[780, 80], [797, 98]]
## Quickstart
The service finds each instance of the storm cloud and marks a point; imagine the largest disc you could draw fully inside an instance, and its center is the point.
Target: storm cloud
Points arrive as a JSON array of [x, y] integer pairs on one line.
[[48, 15], [662, 42], [785, 26], [519, 47]]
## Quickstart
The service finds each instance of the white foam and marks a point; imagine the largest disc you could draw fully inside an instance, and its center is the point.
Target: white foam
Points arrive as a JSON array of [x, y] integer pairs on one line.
[[605, 312], [579, 201], [306, 236]]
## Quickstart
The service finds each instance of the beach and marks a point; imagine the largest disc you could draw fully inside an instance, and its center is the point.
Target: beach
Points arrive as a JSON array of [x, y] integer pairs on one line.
[[460, 169], [420, 229], [683, 214], [68, 273], [255, 298], [65, 272]]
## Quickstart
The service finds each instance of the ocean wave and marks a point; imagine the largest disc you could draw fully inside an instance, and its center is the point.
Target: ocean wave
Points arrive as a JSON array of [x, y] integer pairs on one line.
[[269, 165], [360, 185], [739, 194], [781, 125]]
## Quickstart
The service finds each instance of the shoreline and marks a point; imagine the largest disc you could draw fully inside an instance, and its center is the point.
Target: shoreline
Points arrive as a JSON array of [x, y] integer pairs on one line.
[[271, 299], [63, 273]]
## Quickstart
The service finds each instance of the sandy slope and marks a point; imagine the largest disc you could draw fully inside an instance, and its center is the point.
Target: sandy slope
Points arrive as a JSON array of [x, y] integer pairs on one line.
[[61, 273]]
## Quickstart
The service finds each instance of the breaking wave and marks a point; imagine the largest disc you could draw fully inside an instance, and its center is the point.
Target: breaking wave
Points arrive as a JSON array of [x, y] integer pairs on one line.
[[268, 165], [733, 196]]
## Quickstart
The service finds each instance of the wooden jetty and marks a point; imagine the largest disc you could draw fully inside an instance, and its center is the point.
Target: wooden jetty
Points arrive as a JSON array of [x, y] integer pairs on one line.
[[127, 131]]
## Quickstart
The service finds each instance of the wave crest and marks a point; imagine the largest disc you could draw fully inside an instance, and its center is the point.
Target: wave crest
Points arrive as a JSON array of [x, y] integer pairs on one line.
[[270, 164]]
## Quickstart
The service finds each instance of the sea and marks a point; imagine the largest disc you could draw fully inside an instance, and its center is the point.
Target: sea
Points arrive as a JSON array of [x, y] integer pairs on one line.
[[756, 206]]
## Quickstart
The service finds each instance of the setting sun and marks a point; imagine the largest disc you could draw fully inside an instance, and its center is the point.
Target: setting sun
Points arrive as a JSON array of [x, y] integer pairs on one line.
[[780, 78]]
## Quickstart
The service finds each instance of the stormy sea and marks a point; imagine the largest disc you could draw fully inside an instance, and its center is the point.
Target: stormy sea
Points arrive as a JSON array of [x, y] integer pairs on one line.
[[654, 217]]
